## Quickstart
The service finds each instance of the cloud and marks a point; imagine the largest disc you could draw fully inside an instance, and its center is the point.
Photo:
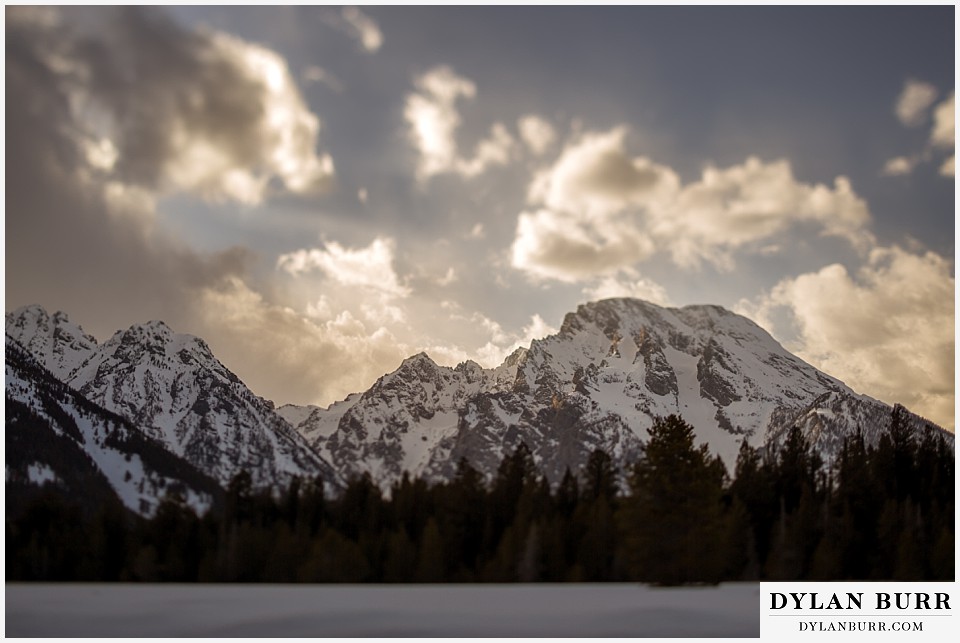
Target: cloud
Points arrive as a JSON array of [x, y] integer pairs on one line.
[[944, 130], [537, 133], [89, 240], [604, 211], [370, 267], [177, 110], [949, 167], [433, 120], [887, 331], [366, 29], [563, 246], [493, 150], [86, 242], [730, 208], [629, 284], [317, 74], [286, 357], [914, 101], [448, 278], [900, 166], [594, 177], [912, 108], [502, 344], [358, 25]]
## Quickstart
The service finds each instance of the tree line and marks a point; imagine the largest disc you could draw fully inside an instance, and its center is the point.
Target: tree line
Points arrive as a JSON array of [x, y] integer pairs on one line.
[[881, 512]]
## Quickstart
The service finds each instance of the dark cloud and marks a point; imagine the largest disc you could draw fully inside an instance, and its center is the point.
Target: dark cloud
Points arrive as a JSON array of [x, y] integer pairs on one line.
[[177, 109], [68, 245], [154, 78]]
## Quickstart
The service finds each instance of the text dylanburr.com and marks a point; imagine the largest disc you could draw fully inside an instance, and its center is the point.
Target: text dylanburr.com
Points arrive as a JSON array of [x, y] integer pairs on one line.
[[802, 610]]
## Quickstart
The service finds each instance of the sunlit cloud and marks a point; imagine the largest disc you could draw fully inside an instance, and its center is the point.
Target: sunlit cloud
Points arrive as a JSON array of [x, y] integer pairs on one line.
[[81, 200], [493, 150], [502, 344], [913, 108], [606, 211], [914, 101], [363, 28], [900, 166], [948, 168], [628, 284], [565, 247], [448, 278], [200, 111], [594, 177], [433, 119], [730, 208], [370, 267], [286, 356], [944, 129], [887, 330], [537, 133]]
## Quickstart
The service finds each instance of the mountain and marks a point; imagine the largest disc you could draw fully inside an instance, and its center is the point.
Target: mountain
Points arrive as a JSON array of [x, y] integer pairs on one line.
[[398, 423], [59, 345], [54, 436], [172, 388], [613, 367]]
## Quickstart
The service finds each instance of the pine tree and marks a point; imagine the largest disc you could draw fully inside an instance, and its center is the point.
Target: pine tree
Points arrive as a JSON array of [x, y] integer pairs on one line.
[[599, 477], [673, 519]]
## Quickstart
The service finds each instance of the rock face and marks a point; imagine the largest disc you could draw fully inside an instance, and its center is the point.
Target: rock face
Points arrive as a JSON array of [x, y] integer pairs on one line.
[[172, 388], [614, 366], [600, 382]]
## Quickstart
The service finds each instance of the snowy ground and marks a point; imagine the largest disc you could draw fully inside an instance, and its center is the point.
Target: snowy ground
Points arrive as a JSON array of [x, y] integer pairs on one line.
[[623, 610]]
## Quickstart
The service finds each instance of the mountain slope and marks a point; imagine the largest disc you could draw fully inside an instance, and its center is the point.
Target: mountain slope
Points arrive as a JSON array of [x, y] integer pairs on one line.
[[60, 345], [176, 392], [55, 436], [599, 382]]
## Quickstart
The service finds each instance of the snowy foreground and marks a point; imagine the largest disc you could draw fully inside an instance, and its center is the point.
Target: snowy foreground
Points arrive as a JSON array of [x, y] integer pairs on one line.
[[623, 610]]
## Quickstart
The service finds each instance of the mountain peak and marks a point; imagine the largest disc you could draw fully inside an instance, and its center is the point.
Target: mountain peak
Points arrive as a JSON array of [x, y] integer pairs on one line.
[[419, 360], [154, 328], [422, 355], [58, 344], [35, 311], [157, 336], [36, 314]]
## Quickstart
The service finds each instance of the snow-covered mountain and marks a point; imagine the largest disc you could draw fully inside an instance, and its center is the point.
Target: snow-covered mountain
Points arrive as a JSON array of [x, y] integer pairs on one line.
[[172, 388], [600, 382], [56, 343], [614, 366], [55, 436]]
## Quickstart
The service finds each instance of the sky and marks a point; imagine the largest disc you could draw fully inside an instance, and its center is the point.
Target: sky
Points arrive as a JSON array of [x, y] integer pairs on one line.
[[320, 192]]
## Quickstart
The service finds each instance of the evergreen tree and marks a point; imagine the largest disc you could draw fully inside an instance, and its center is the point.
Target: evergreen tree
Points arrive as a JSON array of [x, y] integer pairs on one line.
[[599, 477], [675, 513]]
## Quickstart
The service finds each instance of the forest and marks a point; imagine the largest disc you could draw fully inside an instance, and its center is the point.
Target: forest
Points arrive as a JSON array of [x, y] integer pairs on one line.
[[676, 517]]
